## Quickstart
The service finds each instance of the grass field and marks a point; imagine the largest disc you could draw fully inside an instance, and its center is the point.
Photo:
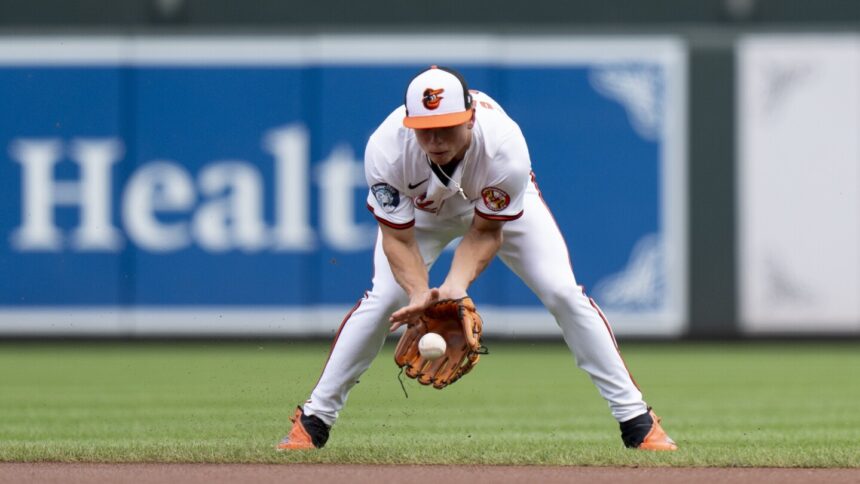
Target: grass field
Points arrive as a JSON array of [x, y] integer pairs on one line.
[[751, 404]]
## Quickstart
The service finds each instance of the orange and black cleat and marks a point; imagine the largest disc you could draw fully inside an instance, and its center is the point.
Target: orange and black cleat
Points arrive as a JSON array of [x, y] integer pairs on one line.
[[645, 433], [308, 432]]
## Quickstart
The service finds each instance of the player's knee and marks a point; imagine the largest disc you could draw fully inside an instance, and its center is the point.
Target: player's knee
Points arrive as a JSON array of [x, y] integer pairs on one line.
[[560, 298], [387, 296]]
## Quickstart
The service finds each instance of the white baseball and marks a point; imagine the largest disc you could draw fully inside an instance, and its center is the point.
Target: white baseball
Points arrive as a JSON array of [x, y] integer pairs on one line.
[[432, 346]]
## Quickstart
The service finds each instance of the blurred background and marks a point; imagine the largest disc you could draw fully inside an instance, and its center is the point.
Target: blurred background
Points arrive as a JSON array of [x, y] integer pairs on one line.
[[194, 168]]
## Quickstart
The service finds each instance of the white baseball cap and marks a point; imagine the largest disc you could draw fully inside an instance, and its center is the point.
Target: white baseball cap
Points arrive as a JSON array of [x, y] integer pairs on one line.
[[437, 98]]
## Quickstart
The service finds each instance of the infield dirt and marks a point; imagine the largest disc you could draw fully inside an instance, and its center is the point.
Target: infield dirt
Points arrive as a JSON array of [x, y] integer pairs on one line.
[[25, 473]]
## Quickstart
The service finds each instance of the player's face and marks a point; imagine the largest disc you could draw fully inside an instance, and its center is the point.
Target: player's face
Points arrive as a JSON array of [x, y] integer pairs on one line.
[[444, 145]]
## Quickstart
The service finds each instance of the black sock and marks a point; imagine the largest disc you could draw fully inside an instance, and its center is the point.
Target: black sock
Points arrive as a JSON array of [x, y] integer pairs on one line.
[[317, 429], [633, 431]]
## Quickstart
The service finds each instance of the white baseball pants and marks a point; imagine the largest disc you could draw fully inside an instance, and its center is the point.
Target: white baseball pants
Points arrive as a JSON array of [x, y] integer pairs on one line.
[[534, 249]]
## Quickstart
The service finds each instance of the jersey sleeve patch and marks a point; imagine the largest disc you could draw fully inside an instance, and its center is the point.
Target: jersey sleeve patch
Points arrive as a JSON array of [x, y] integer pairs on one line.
[[387, 196], [389, 223], [495, 199]]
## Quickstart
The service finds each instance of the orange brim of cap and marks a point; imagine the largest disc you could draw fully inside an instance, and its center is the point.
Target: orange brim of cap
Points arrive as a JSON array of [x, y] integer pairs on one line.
[[437, 120]]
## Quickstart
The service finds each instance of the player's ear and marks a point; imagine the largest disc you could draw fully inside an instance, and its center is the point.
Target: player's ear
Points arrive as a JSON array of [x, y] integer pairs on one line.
[[472, 120]]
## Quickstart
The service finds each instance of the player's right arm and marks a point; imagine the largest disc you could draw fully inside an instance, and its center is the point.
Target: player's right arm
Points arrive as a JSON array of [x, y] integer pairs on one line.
[[395, 215], [407, 266]]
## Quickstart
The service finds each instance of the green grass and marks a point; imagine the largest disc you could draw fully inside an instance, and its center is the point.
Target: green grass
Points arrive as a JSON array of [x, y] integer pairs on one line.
[[753, 404]]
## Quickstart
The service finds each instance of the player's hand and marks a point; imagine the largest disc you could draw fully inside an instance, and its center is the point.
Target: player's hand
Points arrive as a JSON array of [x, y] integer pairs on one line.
[[410, 313]]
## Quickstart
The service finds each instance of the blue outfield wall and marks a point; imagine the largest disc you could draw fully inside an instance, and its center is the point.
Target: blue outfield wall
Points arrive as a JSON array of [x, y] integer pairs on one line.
[[184, 192]]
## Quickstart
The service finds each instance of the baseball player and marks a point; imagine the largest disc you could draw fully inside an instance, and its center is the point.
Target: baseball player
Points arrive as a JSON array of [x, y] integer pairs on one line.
[[451, 163]]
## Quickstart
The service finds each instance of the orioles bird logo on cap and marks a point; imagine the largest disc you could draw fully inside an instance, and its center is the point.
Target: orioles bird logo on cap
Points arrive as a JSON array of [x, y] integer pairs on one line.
[[432, 98]]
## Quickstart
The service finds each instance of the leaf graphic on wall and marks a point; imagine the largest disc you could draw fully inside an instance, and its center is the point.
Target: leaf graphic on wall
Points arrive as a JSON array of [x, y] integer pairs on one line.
[[782, 287], [640, 88], [641, 284], [781, 79]]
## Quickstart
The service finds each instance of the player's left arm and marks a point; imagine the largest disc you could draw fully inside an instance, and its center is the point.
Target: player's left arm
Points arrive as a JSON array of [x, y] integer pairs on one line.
[[501, 201], [475, 251]]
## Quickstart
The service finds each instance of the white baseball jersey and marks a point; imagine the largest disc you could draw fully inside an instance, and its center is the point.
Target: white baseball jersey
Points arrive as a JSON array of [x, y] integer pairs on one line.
[[495, 180], [493, 175]]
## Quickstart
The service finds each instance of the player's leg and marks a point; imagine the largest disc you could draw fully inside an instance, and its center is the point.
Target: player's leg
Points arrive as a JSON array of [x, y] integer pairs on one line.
[[358, 340], [535, 250]]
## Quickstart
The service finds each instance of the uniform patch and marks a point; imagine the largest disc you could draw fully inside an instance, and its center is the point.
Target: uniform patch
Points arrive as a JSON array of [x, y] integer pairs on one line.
[[495, 198], [387, 196]]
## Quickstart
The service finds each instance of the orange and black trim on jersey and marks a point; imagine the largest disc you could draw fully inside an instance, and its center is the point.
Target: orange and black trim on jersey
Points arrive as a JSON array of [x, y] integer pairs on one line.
[[502, 218], [389, 223]]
